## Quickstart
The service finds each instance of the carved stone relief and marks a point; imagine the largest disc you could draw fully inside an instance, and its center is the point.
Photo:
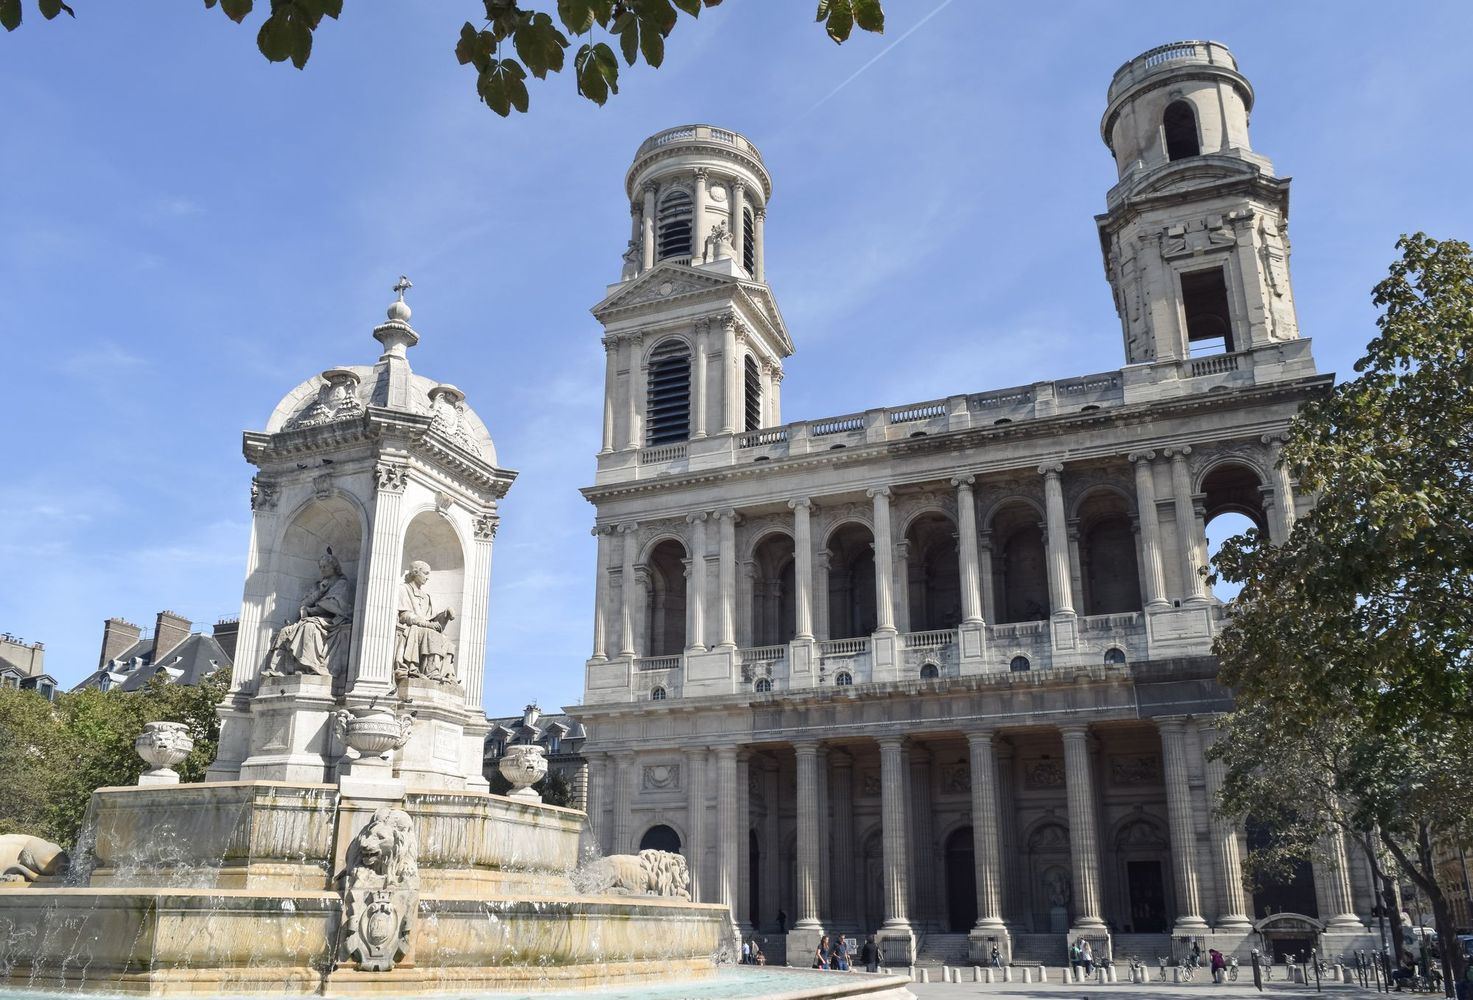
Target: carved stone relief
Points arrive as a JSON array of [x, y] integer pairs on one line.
[[381, 891], [1043, 773], [661, 777], [1135, 770]]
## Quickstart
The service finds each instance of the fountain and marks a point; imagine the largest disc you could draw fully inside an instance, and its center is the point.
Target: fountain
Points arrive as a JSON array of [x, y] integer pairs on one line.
[[345, 841]]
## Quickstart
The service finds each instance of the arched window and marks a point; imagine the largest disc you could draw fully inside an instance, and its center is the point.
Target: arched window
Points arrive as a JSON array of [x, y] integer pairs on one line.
[[667, 410], [665, 599], [762, 686], [932, 585], [673, 222], [843, 679], [1020, 664], [774, 598], [851, 582], [657, 694], [752, 388], [929, 672], [1180, 125], [660, 838], [1114, 657], [749, 242]]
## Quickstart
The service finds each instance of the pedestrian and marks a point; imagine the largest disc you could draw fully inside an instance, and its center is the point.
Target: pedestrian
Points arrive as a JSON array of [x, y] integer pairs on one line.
[[870, 955], [839, 959], [1219, 964], [996, 958], [821, 953], [782, 920], [1075, 958], [1087, 956], [1196, 954]]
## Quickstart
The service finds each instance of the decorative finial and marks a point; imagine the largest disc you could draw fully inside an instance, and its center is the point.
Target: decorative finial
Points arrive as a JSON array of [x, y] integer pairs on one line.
[[399, 309]]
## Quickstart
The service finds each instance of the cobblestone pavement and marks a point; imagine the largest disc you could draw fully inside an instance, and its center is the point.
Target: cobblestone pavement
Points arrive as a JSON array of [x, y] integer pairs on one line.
[[1155, 991]]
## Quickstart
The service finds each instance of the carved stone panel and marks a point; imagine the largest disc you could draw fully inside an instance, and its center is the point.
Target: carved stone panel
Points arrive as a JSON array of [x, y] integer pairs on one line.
[[661, 777], [1135, 770], [1043, 772]]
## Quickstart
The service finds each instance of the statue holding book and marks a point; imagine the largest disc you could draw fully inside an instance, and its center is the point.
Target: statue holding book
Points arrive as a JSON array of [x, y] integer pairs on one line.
[[422, 649]]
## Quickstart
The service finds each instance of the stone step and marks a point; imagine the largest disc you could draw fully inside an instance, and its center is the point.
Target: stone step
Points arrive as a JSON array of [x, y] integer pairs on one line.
[[1041, 949]]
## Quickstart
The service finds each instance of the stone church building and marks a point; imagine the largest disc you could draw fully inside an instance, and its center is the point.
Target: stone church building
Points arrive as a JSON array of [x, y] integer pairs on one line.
[[942, 672]]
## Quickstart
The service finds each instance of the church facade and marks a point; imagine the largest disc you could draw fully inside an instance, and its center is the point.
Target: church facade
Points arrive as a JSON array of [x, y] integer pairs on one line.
[[942, 672]]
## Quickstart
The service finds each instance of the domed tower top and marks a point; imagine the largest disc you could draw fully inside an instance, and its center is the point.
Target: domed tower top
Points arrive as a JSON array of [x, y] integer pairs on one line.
[[698, 195], [1177, 101]]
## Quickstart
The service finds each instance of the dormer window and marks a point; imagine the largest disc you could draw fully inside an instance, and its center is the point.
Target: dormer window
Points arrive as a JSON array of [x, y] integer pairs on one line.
[[1179, 124]]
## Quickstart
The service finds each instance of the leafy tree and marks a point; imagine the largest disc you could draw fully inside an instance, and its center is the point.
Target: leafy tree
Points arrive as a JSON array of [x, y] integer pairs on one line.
[[514, 38], [53, 756], [1351, 645]]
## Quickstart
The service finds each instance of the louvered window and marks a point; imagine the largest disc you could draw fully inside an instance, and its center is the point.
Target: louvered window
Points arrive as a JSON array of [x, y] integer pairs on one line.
[[752, 384], [673, 224], [749, 242], [667, 410]]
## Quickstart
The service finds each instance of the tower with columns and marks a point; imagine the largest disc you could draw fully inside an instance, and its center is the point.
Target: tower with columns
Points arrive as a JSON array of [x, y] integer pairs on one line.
[[942, 672]]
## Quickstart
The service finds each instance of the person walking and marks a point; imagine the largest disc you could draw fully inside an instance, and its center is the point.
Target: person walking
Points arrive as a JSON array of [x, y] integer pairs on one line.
[[870, 955], [782, 920], [839, 957], [1219, 964], [1087, 956], [821, 953]]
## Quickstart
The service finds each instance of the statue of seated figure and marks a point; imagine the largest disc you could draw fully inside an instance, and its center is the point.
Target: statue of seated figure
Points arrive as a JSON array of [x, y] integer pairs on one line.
[[422, 650], [317, 642]]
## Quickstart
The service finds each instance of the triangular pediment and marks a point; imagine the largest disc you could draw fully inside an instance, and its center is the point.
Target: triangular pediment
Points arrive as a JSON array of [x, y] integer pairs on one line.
[[662, 283]]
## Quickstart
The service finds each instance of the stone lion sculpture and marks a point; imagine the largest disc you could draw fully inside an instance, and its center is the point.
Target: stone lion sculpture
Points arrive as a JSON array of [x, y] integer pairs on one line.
[[381, 891], [25, 858], [385, 853], [648, 873]]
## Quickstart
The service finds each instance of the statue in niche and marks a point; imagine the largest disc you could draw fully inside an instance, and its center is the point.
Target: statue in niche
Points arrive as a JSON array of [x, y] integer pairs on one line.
[[317, 642], [422, 649], [1056, 884]]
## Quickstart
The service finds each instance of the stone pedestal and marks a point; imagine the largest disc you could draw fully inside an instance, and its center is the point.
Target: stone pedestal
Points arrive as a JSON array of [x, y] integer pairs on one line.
[[972, 646], [432, 757], [291, 729], [885, 657], [710, 672]]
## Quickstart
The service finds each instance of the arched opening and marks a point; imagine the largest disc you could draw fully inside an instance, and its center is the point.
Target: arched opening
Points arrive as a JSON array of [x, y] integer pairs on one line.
[[749, 242], [665, 603], [1179, 123], [1019, 665], [961, 881], [1293, 893], [851, 582], [657, 693], [326, 524], [929, 671], [1107, 555], [660, 838], [431, 539], [843, 679], [933, 583], [774, 599], [1019, 566], [667, 408], [1114, 657], [673, 224], [1050, 878], [1143, 854], [752, 392], [1205, 309], [1232, 505], [762, 685]]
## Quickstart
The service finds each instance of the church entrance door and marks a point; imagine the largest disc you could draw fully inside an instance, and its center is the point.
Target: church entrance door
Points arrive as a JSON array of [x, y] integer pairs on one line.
[[1147, 888], [961, 882]]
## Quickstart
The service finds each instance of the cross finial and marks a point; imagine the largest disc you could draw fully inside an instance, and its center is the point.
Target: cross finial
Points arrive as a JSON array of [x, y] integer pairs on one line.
[[403, 286]]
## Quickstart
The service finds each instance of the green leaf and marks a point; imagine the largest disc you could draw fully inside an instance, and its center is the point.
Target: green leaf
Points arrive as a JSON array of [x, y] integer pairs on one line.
[[576, 15], [51, 8], [629, 40], [869, 15], [840, 20], [653, 47], [504, 87], [10, 14], [691, 7], [236, 10], [659, 14]]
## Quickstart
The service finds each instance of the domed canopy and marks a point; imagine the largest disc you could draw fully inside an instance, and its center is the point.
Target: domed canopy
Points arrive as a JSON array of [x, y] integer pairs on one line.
[[345, 393]]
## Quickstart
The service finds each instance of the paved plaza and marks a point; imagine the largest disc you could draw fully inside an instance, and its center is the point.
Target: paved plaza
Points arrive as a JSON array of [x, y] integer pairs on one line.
[[1241, 990]]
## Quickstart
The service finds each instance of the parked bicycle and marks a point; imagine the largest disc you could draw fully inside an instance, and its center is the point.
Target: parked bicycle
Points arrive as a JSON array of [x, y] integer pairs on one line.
[[1232, 969]]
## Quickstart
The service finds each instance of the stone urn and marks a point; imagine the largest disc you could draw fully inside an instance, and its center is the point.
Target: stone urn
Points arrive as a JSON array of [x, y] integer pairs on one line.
[[523, 765], [162, 745], [374, 732]]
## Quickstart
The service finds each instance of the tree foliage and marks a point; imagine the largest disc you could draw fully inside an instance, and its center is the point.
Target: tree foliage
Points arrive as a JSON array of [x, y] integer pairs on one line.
[[1351, 644], [515, 39], [53, 755]]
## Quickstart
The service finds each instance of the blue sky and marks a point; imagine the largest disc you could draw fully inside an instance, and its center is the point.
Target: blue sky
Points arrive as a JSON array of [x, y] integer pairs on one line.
[[187, 231]]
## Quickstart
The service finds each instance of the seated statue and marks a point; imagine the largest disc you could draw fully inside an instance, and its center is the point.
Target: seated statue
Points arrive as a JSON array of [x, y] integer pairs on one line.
[[317, 642], [422, 649]]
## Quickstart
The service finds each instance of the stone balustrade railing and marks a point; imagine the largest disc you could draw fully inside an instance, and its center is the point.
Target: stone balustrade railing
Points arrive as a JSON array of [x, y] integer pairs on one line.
[[933, 639], [1150, 61], [698, 133], [658, 662], [762, 654]]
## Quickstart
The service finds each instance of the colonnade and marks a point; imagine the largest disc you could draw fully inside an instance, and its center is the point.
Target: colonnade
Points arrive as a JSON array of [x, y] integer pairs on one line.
[[620, 545], [644, 214]]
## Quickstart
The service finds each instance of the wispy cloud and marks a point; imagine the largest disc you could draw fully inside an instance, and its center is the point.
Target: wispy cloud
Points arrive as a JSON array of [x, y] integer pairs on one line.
[[104, 359], [877, 57]]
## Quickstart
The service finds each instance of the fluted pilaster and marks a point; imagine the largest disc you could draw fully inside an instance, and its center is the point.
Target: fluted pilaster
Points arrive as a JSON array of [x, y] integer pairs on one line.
[[896, 855], [695, 819], [807, 841], [884, 561], [1186, 523], [1061, 588], [726, 578], [1226, 858], [966, 523], [841, 785], [1183, 833], [803, 566], [986, 852], [728, 828]]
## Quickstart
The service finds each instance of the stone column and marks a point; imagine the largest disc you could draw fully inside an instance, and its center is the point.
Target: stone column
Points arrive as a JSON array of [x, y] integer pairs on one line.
[[1083, 842], [598, 776], [649, 227], [1332, 885], [700, 226], [984, 570], [923, 838], [731, 393], [821, 594], [373, 661], [1183, 833], [775, 405], [841, 785], [772, 838], [1060, 587], [743, 852], [1281, 521], [698, 405], [1226, 858], [1153, 579], [728, 828], [902, 586], [986, 849], [1186, 523], [601, 594], [738, 224], [633, 433], [759, 222], [726, 519], [621, 840], [802, 566], [884, 565], [766, 419], [966, 523], [897, 941], [807, 877], [695, 585], [825, 839], [611, 390], [630, 533], [1007, 829], [695, 818]]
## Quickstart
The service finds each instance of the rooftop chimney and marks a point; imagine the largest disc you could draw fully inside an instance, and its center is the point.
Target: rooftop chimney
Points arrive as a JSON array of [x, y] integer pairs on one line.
[[226, 632], [169, 631], [117, 637]]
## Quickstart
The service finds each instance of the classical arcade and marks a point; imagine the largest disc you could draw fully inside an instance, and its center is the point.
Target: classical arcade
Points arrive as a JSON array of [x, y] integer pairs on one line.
[[942, 671]]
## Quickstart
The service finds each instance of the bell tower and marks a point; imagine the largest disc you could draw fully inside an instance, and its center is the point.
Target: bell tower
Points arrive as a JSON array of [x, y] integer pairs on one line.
[[1195, 238], [694, 339]]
